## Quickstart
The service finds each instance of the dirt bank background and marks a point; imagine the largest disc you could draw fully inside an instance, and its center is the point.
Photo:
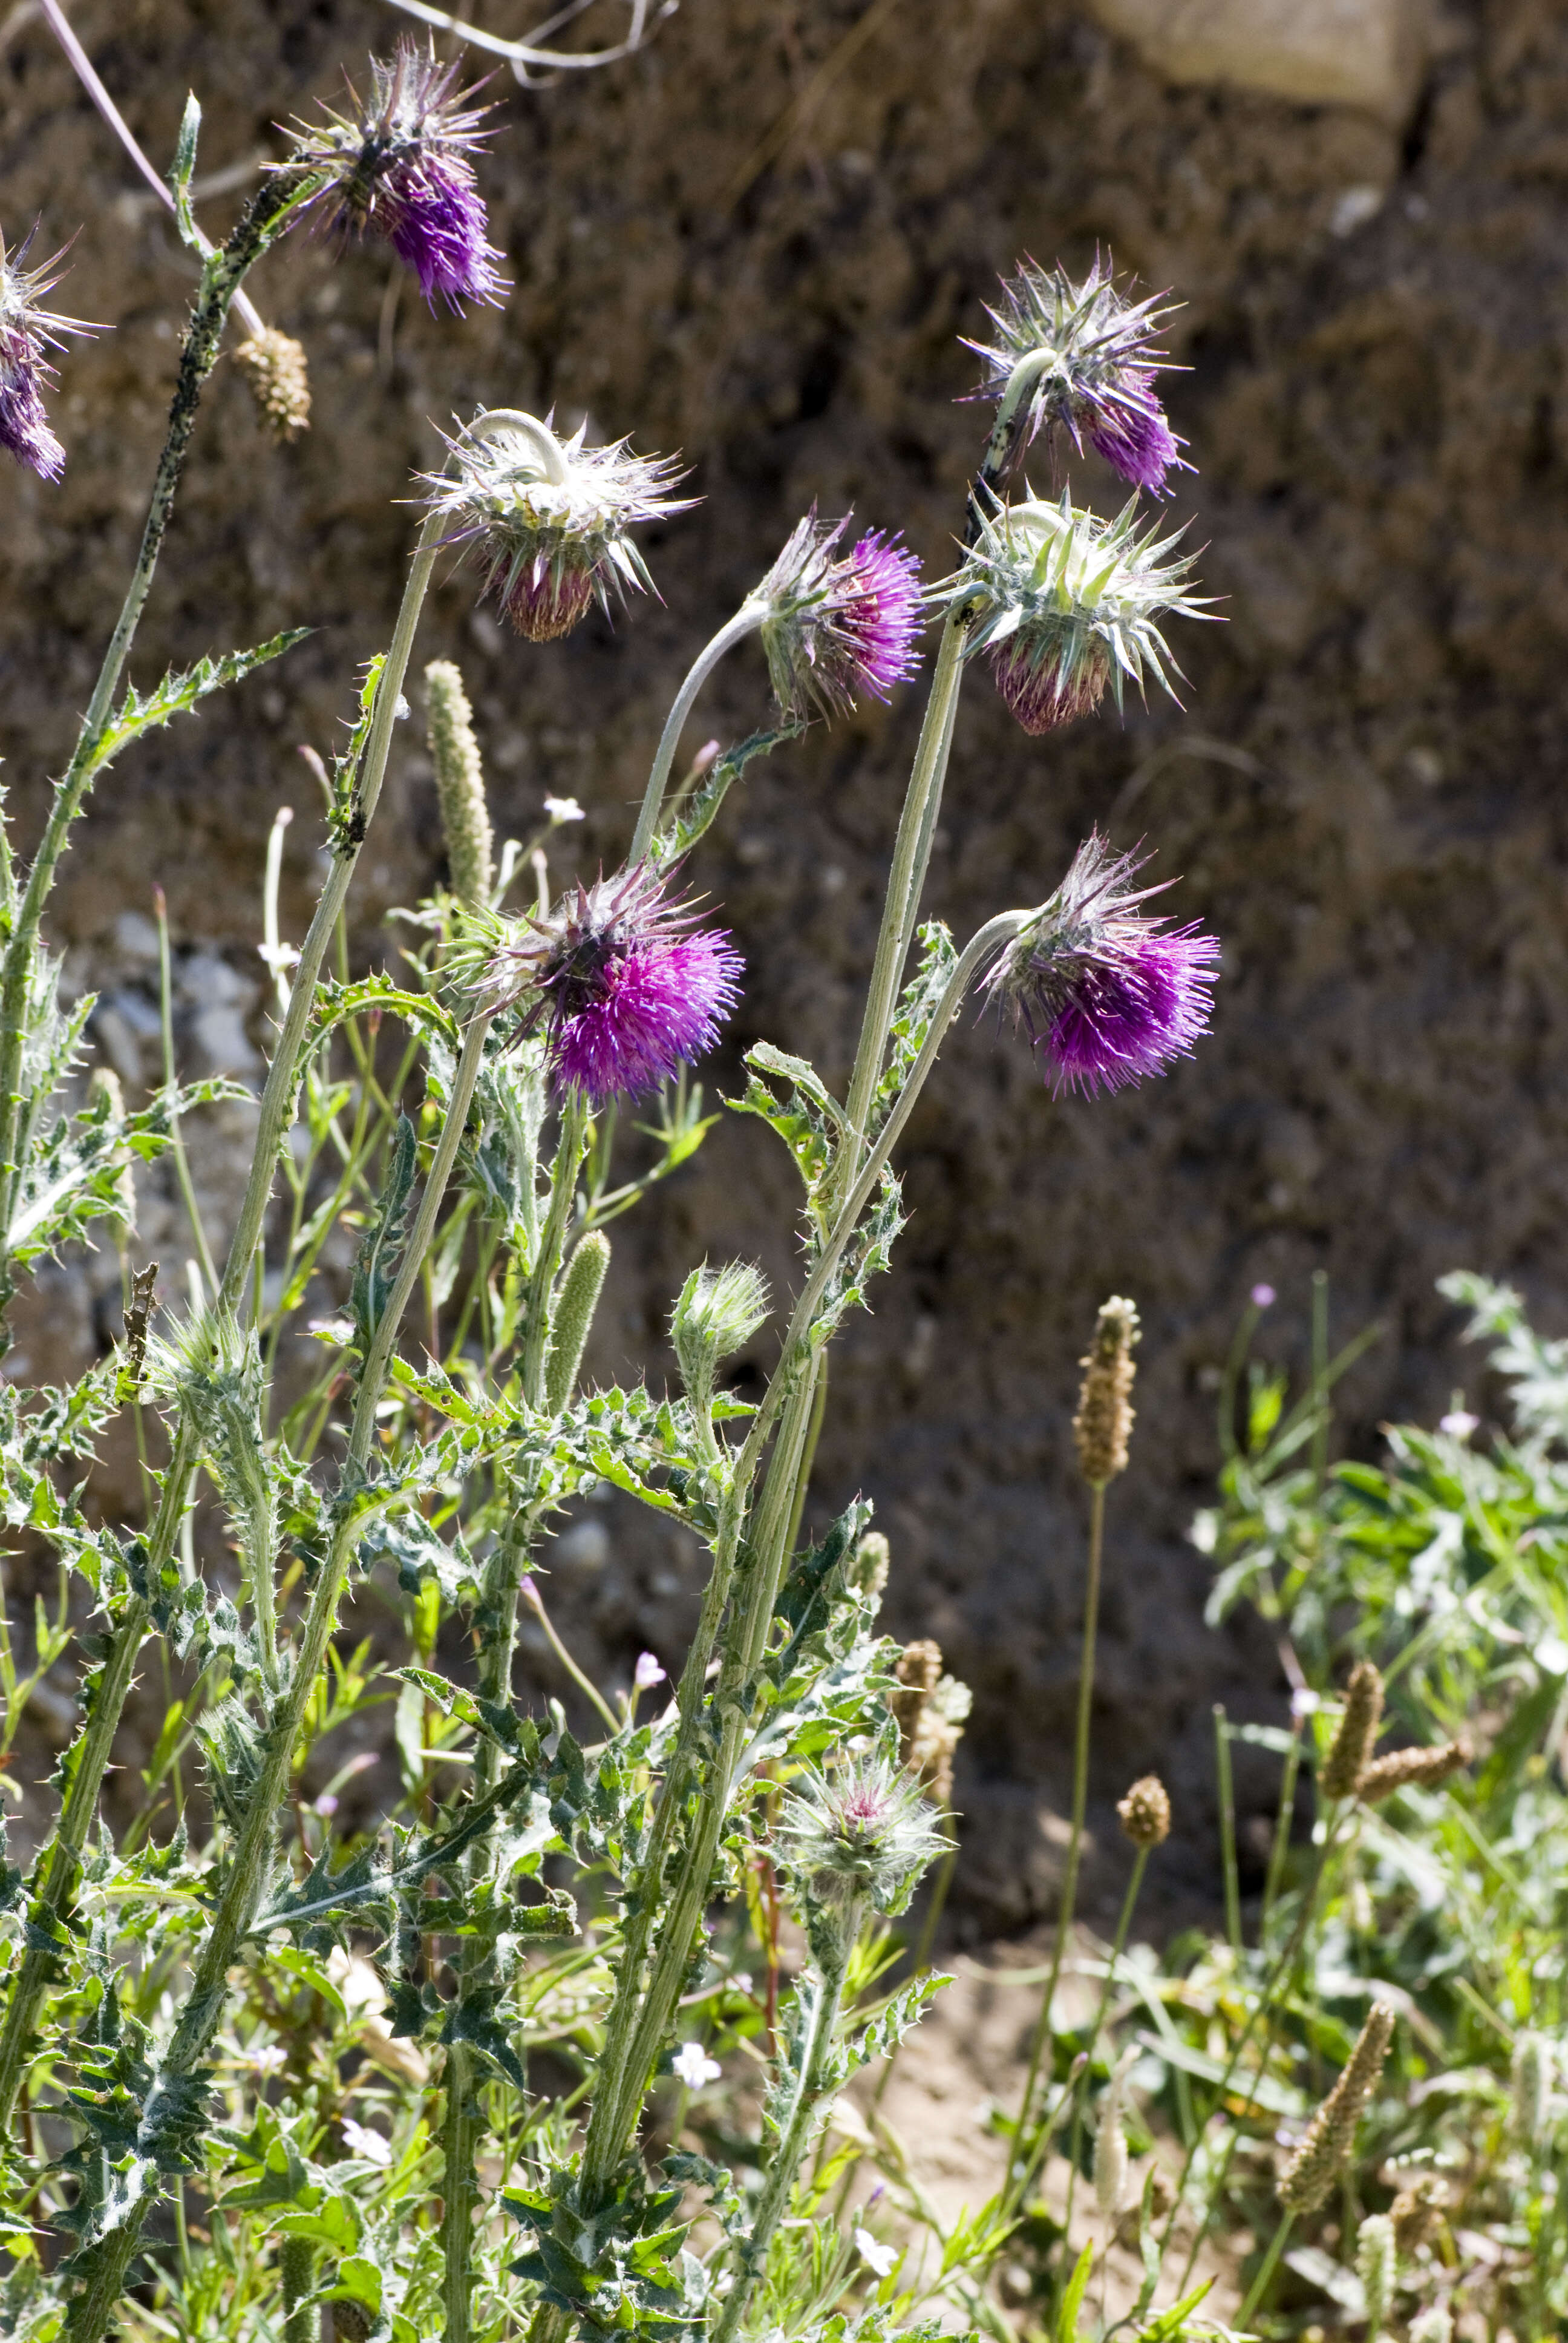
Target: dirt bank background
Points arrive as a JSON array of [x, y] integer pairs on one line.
[[759, 244]]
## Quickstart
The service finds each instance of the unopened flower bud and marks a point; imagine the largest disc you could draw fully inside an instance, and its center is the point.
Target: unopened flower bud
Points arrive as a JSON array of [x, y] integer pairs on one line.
[[1103, 1424], [1404, 1769], [1349, 1753], [718, 1310], [1325, 2148], [459, 785], [277, 369], [866, 1833], [550, 518], [1070, 606], [1144, 1813]]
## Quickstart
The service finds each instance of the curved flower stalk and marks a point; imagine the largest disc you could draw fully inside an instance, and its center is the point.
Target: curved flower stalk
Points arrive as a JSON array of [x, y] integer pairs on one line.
[[1106, 995], [1088, 358], [400, 165], [835, 626], [550, 518], [1070, 605], [26, 330], [627, 986]]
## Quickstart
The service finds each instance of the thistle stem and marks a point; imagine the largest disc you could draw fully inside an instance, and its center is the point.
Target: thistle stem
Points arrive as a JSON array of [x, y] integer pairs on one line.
[[264, 220], [569, 1154], [1043, 2032], [812, 2086], [746, 621]]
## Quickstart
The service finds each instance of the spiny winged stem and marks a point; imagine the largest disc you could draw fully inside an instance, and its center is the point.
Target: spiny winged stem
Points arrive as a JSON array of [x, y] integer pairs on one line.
[[277, 1100], [746, 621], [264, 219], [106, 2266], [812, 2081], [563, 1187], [788, 1404]]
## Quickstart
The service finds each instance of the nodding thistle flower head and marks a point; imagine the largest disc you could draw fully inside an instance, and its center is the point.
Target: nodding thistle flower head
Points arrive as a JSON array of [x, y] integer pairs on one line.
[[1070, 604], [26, 330], [1093, 355], [867, 1832], [839, 624], [1103, 1424], [549, 519], [1325, 2147], [400, 165], [1349, 1753], [1106, 994], [1144, 1813], [626, 987]]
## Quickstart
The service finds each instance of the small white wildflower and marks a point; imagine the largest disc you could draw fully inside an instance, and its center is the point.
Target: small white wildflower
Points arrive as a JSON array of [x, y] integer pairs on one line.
[[367, 2144], [561, 809], [694, 2067], [1459, 1424], [265, 2058], [647, 1672], [883, 2259]]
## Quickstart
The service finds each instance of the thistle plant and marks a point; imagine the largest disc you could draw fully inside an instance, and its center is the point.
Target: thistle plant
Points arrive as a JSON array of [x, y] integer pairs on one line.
[[175, 2020]]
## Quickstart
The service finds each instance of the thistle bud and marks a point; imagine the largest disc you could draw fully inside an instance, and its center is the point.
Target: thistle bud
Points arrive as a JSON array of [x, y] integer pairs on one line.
[[1110, 2140], [1144, 1813], [717, 1312], [574, 1307], [866, 1833], [1325, 2148], [1106, 994], [549, 519], [1404, 1769], [277, 369], [872, 1561], [459, 785], [838, 624], [1349, 1753], [1070, 606], [1103, 1424], [1376, 2267]]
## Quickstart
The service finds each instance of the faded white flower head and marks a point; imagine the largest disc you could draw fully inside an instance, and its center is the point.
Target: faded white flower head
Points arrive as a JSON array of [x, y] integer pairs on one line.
[[368, 2145], [693, 2067], [883, 2259]]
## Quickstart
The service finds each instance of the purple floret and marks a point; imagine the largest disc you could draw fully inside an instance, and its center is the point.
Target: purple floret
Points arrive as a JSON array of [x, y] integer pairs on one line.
[[26, 330], [838, 627], [25, 429], [1106, 995], [626, 991], [436, 222], [880, 613], [1130, 432]]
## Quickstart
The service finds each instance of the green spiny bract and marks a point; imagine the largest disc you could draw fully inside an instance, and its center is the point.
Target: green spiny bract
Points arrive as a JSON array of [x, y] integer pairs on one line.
[[863, 1833]]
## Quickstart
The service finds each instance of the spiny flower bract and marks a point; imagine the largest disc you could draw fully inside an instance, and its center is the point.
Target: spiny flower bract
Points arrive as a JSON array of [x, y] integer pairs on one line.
[[627, 988], [27, 330], [1097, 356], [839, 624], [1107, 994], [401, 165], [865, 1832], [1070, 604], [549, 519]]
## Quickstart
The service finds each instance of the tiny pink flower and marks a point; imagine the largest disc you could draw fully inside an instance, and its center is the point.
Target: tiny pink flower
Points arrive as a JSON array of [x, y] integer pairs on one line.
[[648, 1673]]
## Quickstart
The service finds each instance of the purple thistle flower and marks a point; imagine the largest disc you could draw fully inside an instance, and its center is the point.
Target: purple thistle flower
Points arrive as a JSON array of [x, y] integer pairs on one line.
[[838, 627], [1107, 994], [400, 166], [1092, 357], [25, 330], [626, 991], [550, 518]]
